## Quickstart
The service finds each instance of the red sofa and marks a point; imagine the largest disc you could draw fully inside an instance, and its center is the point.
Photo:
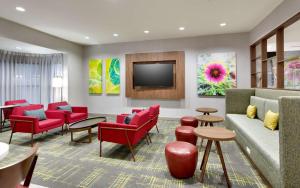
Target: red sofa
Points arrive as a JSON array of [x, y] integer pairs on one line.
[[29, 124], [153, 115], [125, 134], [78, 112]]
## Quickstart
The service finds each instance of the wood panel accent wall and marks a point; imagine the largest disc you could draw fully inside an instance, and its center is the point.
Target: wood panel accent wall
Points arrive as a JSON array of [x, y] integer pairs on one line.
[[176, 92]]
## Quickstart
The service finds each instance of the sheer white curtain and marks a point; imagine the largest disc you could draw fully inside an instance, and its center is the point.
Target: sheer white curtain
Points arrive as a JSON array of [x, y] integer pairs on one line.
[[30, 76]]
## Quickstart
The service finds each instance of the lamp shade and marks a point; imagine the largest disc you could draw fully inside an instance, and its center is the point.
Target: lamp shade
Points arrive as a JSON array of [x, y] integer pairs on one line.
[[57, 82]]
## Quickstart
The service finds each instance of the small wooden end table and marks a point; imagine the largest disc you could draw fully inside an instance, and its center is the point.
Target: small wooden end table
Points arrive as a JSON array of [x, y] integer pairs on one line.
[[209, 119], [206, 110], [86, 125], [216, 135]]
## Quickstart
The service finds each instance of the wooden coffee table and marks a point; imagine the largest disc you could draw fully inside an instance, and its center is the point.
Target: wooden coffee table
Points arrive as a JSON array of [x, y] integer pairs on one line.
[[206, 110], [214, 134], [86, 125]]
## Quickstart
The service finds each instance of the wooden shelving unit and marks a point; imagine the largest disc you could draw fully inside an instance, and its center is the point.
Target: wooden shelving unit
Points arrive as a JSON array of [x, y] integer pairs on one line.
[[262, 58]]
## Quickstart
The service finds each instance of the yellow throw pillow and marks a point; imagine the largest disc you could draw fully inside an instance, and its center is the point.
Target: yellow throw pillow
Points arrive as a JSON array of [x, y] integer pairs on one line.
[[251, 111], [271, 120]]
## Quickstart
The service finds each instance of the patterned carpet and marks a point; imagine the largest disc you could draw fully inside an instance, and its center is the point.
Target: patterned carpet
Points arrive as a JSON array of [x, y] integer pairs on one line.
[[63, 164]]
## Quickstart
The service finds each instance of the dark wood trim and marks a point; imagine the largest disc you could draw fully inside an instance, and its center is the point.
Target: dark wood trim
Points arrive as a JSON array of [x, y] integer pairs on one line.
[[264, 64], [177, 92], [279, 32], [280, 57]]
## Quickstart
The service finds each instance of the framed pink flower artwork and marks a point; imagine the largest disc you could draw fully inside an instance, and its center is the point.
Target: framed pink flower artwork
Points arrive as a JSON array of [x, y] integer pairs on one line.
[[216, 72]]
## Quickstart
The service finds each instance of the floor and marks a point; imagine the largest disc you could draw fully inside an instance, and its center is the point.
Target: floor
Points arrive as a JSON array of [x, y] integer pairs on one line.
[[63, 164]]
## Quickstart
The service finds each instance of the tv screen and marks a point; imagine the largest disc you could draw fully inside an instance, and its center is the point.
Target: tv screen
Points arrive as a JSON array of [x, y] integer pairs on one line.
[[157, 74]]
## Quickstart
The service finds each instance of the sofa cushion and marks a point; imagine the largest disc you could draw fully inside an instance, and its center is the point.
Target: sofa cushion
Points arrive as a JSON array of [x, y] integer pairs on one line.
[[39, 113], [129, 117], [49, 123], [260, 106], [271, 105], [265, 140]]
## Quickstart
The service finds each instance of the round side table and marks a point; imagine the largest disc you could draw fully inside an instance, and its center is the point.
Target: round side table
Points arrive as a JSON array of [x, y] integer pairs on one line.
[[206, 111], [216, 135], [209, 119]]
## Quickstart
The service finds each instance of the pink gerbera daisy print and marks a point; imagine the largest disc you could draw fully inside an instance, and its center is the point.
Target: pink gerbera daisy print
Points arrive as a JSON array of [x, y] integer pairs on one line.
[[215, 72]]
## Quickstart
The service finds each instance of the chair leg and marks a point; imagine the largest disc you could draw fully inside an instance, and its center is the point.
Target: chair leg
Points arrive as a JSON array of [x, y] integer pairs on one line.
[[30, 172], [100, 132], [62, 130], [31, 139], [12, 132], [130, 147], [157, 128], [100, 154], [147, 140], [149, 137]]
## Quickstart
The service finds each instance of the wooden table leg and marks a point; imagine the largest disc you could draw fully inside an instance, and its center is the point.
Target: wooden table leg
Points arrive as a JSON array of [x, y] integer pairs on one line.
[[90, 135], [219, 150], [71, 136], [205, 159]]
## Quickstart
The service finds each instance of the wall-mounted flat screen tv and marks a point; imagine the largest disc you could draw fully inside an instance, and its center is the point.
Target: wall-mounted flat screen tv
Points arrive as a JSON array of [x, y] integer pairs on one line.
[[153, 74]]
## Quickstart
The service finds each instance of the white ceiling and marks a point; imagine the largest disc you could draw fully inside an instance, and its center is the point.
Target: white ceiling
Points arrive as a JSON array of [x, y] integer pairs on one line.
[[17, 46], [99, 19]]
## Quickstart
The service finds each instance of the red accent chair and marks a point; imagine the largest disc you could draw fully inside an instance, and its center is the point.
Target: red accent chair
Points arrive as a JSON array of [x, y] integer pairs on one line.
[[182, 158], [125, 134], [186, 134], [153, 115], [7, 112], [78, 112], [28, 124], [189, 121]]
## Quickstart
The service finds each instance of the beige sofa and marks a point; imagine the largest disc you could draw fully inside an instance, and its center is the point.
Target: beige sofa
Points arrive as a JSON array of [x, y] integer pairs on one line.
[[275, 153]]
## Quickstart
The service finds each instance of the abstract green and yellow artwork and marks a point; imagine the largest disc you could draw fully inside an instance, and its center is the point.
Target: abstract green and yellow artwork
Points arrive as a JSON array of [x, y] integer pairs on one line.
[[112, 70], [95, 76]]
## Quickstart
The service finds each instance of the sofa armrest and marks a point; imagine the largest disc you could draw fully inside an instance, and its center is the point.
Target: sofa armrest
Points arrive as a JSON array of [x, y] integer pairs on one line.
[[136, 110], [55, 114], [237, 100], [79, 109], [27, 121], [289, 140], [116, 126], [121, 118]]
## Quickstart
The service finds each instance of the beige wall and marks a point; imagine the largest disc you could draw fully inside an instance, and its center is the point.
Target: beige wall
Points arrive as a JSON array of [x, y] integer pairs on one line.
[[192, 46], [72, 51]]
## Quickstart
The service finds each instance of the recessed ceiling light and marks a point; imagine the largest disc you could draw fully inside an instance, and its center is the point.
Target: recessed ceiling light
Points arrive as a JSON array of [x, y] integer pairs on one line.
[[21, 9], [146, 32], [181, 28], [87, 37], [223, 24], [115, 34], [18, 48]]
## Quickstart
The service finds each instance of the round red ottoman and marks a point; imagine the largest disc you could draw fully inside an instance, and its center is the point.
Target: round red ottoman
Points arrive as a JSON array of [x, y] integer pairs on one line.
[[189, 121], [186, 134], [182, 158]]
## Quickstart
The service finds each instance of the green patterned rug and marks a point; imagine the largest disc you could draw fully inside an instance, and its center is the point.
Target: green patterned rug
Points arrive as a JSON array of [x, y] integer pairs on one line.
[[65, 164]]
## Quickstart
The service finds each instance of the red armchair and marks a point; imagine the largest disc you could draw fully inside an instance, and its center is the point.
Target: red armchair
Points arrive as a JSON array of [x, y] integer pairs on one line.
[[29, 124], [78, 112], [153, 115], [125, 134]]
